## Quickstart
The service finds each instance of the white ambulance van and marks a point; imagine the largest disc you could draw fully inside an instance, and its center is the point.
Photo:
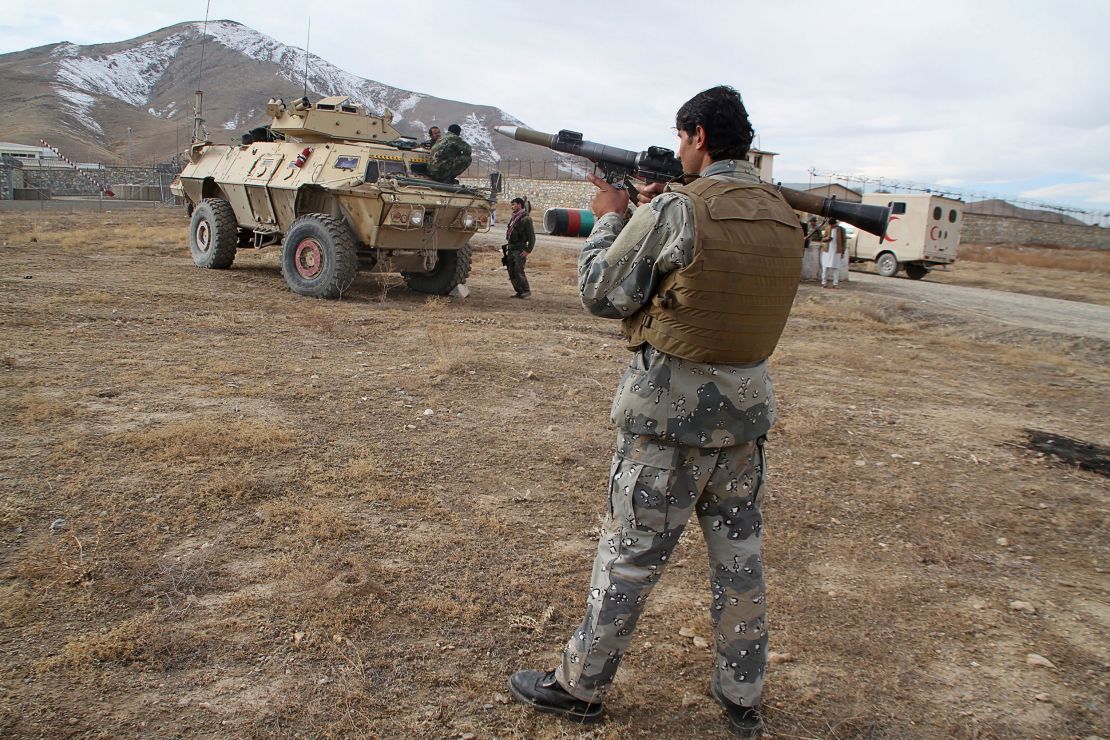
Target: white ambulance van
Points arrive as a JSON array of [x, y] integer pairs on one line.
[[923, 232]]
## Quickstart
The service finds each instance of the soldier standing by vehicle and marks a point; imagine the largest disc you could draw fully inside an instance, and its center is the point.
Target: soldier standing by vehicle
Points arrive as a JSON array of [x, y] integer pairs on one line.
[[450, 156], [693, 407], [520, 238]]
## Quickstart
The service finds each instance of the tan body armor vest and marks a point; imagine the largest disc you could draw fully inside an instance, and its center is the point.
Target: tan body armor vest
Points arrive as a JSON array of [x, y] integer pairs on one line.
[[730, 304]]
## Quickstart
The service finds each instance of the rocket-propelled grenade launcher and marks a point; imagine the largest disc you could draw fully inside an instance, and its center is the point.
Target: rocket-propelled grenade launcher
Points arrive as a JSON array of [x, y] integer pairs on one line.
[[618, 166], [659, 164]]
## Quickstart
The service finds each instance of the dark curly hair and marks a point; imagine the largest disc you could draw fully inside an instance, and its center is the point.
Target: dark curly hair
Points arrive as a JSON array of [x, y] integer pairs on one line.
[[720, 111]]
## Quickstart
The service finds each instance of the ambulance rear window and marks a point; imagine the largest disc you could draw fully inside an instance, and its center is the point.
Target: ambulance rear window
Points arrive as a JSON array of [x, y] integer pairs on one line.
[[897, 208], [952, 216], [937, 213]]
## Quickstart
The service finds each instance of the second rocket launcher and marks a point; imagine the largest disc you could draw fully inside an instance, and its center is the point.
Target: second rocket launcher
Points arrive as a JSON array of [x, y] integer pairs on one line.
[[658, 164]]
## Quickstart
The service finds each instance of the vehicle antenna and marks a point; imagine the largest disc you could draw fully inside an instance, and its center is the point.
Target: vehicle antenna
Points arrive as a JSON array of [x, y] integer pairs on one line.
[[307, 39], [199, 132]]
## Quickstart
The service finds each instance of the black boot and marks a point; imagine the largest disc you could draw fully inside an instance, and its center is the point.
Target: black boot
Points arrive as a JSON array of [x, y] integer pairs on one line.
[[742, 721], [544, 693]]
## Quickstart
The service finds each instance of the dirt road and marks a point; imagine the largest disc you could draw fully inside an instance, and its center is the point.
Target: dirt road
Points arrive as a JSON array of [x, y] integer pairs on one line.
[[1015, 309]]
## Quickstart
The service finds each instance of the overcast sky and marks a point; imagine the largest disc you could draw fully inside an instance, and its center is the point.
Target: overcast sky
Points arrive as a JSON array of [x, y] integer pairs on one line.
[[1005, 97]]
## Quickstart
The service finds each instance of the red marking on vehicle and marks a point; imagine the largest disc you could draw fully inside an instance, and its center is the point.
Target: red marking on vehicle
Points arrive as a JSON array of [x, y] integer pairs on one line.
[[933, 233], [886, 236]]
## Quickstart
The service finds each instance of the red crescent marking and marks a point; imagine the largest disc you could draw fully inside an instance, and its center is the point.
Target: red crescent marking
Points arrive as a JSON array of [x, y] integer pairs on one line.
[[886, 237], [933, 233]]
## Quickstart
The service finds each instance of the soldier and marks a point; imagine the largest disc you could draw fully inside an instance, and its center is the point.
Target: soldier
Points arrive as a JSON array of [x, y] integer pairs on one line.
[[703, 277], [520, 238], [433, 137], [811, 232], [450, 156]]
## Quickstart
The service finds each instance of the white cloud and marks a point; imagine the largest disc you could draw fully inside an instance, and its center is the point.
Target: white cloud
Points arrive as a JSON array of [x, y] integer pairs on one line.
[[1095, 191]]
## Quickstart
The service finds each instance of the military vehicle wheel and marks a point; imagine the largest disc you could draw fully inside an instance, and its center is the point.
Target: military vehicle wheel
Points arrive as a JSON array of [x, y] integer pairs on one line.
[[452, 268], [318, 256], [213, 234], [887, 264], [915, 271]]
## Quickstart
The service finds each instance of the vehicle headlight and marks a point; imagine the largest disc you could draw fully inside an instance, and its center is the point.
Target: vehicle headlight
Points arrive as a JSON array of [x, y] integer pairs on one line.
[[406, 215], [469, 220]]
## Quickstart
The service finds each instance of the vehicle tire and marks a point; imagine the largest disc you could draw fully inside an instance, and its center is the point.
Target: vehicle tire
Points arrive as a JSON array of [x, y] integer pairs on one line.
[[452, 268], [213, 234], [887, 264], [318, 256], [915, 271]]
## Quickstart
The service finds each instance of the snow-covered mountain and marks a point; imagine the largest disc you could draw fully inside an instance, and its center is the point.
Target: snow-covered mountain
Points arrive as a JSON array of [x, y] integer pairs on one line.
[[85, 99]]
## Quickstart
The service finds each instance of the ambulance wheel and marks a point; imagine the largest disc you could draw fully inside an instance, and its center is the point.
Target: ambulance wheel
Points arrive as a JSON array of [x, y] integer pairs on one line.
[[916, 272], [887, 264]]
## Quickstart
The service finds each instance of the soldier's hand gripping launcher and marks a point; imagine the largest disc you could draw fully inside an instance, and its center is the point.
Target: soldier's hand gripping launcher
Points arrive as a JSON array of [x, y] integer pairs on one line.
[[658, 164]]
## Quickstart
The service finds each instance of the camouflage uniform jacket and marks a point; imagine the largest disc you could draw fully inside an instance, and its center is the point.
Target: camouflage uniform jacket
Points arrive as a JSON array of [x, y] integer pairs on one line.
[[684, 402], [450, 156]]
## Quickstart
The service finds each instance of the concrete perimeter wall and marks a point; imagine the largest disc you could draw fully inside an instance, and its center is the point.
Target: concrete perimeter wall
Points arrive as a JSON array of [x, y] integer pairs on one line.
[[980, 228]]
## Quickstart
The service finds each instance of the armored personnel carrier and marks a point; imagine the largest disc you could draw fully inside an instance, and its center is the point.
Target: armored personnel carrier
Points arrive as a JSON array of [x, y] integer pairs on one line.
[[341, 191]]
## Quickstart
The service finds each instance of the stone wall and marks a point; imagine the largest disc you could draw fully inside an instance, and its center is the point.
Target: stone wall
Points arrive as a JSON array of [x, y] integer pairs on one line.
[[11, 177], [66, 181], [984, 229], [544, 194]]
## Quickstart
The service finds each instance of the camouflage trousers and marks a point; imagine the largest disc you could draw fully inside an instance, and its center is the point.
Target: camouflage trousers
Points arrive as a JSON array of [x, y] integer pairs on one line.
[[654, 487]]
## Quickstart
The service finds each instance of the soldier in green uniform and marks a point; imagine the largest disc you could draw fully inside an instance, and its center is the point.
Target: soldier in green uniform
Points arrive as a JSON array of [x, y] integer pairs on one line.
[[702, 277], [520, 238], [450, 156]]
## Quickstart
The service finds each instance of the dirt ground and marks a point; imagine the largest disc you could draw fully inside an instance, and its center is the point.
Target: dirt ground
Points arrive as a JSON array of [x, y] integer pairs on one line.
[[228, 511]]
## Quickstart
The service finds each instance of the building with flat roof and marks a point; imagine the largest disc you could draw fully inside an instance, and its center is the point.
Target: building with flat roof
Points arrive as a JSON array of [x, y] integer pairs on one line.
[[26, 152], [763, 162]]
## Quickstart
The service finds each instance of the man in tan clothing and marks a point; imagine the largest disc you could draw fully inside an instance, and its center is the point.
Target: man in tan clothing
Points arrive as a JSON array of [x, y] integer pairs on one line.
[[833, 248]]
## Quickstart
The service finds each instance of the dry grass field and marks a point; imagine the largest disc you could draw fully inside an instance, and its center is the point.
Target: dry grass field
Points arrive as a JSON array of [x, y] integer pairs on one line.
[[228, 511]]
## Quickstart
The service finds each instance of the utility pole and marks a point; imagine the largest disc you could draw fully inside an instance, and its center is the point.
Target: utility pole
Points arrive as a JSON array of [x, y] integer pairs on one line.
[[128, 146]]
